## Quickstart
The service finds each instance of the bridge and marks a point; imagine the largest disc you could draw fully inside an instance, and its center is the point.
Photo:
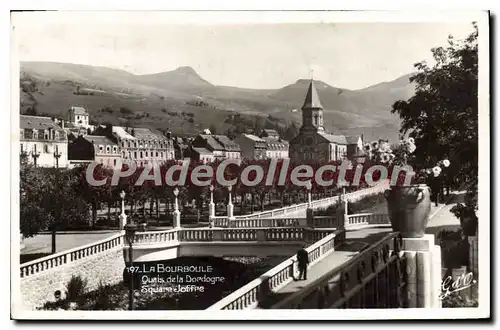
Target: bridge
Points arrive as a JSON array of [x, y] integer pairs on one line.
[[341, 263]]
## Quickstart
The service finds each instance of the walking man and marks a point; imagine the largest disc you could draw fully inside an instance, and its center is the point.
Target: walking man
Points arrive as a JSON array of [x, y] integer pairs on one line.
[[303, 260]]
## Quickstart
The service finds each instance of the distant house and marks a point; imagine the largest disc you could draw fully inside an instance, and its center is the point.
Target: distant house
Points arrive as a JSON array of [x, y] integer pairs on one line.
[[252, 147], [202, 155], [79, 116], [354, 144], [220, 145], [101, 149], [271, 133], [276, 147], [142, 145], [43, 141]]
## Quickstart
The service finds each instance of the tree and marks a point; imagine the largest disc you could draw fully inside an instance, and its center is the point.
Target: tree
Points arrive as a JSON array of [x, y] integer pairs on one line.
[[442, 116], [213, 129]]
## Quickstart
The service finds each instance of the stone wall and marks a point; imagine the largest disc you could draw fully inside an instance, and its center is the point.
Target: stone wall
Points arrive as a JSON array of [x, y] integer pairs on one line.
[[107, 266]]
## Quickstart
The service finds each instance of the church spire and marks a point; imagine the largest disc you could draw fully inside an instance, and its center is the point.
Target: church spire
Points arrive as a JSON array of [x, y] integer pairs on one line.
[[312, 99]]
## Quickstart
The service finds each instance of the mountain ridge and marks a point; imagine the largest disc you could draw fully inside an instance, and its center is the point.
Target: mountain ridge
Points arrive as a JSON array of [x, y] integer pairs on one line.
[[344, 109]]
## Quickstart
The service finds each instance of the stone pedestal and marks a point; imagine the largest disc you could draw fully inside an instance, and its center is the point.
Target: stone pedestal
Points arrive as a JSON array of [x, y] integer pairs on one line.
[[424, 271], [261, 235], [123, 221], [230, 211], [177, 219], [310, 217], [473, 255]]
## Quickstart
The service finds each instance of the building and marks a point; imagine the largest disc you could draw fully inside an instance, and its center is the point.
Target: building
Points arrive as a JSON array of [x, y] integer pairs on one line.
[[313, 143], [142, 145], [354, 145], [43, 142], [181, 147], [276, 147], [79, 116], [251, 146], [89, 148], [201, 155], [220, 145]]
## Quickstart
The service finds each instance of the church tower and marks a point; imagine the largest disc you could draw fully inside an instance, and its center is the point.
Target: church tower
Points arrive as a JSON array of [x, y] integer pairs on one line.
[[312, 111]]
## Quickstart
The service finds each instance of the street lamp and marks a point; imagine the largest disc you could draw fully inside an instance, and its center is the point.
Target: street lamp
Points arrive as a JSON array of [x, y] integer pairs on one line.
[[123, 216], [35, 154], [309, 197], [177, 213], [211, 206], [57, 155], [130, 230]]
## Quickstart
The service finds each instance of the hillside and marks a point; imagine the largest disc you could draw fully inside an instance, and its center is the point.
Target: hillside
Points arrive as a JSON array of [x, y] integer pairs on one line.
[[159, 100]]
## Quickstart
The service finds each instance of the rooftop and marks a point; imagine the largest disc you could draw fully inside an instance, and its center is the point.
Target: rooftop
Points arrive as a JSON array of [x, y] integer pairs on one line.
[[253, 137], [352, 139], [98, 139], [202, 151], [36, 122], [79, 111], [312, 98], [340, 139]]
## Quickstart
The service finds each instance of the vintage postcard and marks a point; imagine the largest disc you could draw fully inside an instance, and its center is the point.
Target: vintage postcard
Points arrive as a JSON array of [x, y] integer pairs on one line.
[[250, 165]]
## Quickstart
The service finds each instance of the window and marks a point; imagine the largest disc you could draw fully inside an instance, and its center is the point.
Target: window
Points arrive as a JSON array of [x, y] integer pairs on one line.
[[114, 162], [101, 148], [115, 149], [35, 134], [46, 148], [161, 154], [141, 156], [22, 133], [123, 143], [56, 135], [135, 154], [123, 154], [147, 154], [108, 149], [157, 154]]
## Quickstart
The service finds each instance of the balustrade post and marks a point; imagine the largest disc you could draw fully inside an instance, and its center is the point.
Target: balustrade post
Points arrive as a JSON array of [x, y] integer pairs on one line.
[[176, 213], [230, 206], [123, 216], [211, 207], [423, 271]]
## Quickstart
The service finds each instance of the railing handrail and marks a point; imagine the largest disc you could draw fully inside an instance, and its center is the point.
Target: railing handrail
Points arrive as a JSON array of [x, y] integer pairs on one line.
[[258, 281], [78, 248], [367, 190], [335, 271]]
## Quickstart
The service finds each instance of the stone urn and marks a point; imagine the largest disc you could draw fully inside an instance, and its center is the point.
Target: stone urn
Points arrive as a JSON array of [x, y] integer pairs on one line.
[[409, 208]]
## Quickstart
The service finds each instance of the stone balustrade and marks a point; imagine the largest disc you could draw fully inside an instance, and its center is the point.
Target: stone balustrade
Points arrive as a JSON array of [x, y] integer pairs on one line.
[[220, 221], [249, 295], [315, 204], [157, 237], [267, 222], [363, 219], [68, 256], [230, 234]]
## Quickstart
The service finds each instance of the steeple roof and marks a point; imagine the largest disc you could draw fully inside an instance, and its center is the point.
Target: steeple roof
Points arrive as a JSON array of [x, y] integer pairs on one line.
[[312, 98]]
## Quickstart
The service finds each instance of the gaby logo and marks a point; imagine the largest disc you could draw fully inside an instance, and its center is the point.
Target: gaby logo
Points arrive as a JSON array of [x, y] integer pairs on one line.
[[462, 282]]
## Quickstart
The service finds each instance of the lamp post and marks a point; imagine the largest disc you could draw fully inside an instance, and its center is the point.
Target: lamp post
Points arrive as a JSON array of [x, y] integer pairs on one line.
[[177, 213], [230, 206], [123, 216], [130, 230], [309, 197], [35, 154], [211, 206], [57, 155]]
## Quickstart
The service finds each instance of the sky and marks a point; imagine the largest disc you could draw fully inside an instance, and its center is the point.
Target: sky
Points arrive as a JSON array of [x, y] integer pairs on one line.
[[261, 55]]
